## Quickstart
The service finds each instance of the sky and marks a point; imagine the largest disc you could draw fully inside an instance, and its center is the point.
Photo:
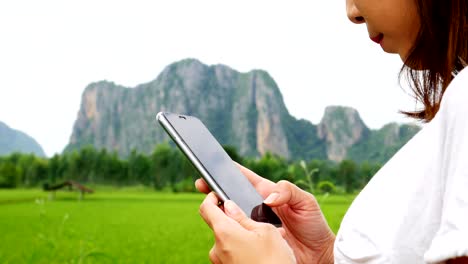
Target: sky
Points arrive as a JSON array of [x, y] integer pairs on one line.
[[51, 50]]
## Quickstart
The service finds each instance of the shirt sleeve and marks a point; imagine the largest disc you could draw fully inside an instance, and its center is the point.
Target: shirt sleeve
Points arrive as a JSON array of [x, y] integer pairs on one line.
[[451, 240]]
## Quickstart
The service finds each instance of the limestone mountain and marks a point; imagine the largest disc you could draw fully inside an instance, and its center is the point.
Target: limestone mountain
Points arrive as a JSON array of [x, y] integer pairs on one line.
[[241, 109], [245, 110], [12, 140], [380, 145], [341, 127]]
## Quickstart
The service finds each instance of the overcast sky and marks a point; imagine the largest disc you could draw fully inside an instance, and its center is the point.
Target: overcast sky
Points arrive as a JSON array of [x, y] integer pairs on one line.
[[51, 50]]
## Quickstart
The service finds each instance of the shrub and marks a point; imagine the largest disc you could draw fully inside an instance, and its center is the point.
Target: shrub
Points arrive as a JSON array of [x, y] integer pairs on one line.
[[9, 175], [185, 185], [326, 187]]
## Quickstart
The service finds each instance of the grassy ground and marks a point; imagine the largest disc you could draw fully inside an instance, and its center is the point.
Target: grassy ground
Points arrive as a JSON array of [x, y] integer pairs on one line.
[[112, 226]]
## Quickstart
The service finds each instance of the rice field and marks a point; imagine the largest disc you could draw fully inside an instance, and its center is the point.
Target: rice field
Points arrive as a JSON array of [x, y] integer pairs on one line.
[[130, 225]]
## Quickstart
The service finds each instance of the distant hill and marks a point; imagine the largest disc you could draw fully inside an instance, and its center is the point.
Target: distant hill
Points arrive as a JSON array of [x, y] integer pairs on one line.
[[12, 140], [245, 110]]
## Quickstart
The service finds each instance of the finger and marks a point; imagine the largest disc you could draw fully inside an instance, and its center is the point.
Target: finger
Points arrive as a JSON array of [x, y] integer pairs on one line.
[[262, 185], [210, 211], [252, 176], [201, 185], [213, 257], [288, 193], [234, 212]]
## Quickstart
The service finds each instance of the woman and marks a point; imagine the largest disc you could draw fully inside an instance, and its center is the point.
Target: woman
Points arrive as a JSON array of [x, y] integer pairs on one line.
[[415, 209]]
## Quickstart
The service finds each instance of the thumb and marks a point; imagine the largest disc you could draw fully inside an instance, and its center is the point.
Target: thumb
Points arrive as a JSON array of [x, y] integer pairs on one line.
[[287, 193], [234, 212]]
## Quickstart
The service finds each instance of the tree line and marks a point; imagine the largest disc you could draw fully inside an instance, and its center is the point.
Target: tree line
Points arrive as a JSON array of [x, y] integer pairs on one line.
[[166, 168]]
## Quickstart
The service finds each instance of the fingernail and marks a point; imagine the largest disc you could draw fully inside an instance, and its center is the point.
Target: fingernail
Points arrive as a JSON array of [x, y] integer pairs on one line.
[[231, 208], [271, 198]]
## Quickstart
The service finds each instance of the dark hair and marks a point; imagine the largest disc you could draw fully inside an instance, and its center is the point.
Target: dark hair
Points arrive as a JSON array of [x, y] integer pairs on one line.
[[441, 48]]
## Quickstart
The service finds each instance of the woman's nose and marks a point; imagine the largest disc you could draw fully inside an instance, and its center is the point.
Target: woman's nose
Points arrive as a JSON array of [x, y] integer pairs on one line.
[[353, 13]]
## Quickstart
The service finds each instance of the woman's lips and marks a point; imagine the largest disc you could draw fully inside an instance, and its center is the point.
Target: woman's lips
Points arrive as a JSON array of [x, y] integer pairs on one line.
[[377, 39]]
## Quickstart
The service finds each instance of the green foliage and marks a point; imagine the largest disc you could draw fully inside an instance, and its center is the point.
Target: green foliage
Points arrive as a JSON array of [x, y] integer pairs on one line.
[[382, 144], [367, 171], [326, 187], [186, 185], [302, 139], [270, 166], [168, 169], [9, 175], [232, 152], [347, 172], [139, 168], [309, 173]]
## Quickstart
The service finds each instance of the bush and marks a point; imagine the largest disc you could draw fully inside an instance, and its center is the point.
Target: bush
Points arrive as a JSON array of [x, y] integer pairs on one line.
[[326, 187], [9, 175], [185, 185]]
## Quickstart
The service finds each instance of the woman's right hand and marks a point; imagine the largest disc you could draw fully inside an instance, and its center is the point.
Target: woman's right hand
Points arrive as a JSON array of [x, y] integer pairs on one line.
[[304, 226]]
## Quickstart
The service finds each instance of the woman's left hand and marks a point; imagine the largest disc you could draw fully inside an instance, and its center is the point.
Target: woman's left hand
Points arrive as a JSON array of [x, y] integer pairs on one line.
[[239, 239]]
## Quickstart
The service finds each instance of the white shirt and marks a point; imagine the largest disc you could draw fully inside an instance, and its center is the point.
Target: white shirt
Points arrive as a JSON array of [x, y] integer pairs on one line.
[[415, 209]]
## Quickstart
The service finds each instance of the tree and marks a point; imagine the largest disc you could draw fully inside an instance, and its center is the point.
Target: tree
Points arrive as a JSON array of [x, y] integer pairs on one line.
[[366, 171], [168, 167], [271, 167], [25, 164], [117, 170], [54, 169], [232, 152], [9, 174], [347, 175], [102, 167], [33, 170], [139, 169], [163, 161], [87, 163]]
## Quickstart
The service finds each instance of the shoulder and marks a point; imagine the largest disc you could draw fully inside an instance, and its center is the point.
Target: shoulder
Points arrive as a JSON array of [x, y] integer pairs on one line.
[[454, 104], [457, 92]]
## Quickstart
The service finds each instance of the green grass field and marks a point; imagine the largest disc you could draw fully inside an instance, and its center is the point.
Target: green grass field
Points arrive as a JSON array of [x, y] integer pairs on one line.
[[132, 225]]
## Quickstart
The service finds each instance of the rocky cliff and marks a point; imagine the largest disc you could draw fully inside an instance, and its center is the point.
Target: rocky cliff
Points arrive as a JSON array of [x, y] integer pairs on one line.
[[245, 110], [341, 127], [241, 109]]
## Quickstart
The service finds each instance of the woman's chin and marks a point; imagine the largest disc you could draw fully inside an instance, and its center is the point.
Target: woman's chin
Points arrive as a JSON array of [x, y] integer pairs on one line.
[[387, 48]]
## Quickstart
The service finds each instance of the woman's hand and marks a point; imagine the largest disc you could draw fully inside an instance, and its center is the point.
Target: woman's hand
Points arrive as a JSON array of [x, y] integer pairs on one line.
[[304, 226], [239, 239]]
